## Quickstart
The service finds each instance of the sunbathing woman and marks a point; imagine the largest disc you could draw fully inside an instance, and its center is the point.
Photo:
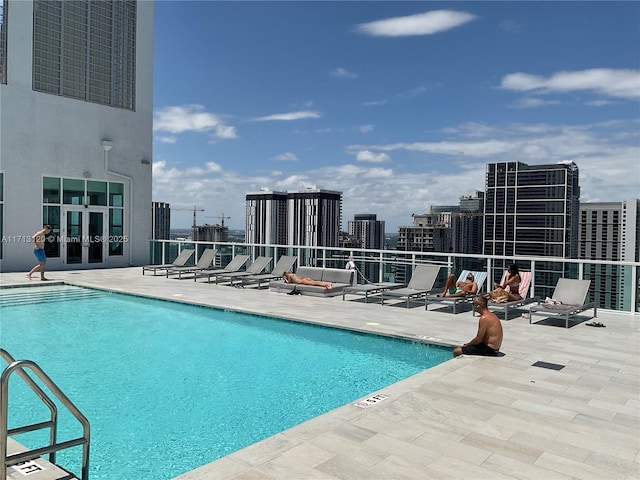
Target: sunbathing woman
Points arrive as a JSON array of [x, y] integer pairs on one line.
[[290, 277], [509, 291], [459, 289]]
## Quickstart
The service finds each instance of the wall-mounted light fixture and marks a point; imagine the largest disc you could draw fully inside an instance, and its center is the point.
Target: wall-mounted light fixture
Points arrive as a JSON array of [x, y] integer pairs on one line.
[[86, 174], [144, 161]]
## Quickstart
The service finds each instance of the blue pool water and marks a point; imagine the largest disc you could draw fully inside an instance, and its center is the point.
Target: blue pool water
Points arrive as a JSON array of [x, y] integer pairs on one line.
[[168, 387]]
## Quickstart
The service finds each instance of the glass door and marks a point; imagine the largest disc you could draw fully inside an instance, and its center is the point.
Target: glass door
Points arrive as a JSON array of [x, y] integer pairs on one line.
[[84, 240]]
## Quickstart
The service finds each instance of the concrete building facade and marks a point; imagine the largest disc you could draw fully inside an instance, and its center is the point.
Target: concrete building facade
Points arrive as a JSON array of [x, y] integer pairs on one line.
[[76, 132]]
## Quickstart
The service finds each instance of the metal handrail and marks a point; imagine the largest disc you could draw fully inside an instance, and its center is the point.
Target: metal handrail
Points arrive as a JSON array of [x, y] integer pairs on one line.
[[19, 366]]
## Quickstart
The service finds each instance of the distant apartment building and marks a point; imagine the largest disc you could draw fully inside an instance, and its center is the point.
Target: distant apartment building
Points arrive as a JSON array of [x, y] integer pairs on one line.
[[467, 225], [366, 231], [610, 231], [311, 217], [430, 232], [532, 210], [76, 83], [160, 221], [266, 217], [210, 233], [446, 228]]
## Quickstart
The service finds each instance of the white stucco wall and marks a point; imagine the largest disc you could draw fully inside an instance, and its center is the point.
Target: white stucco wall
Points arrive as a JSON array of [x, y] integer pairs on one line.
[[49, 135]]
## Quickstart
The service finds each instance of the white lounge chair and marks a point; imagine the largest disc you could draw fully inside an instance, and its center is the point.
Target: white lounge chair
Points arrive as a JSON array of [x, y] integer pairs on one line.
[[525, 283], [478, 277], [180, 261], [285, 264], [205, 262], [421, 283], [568, 300], [258, 266], [234, 266]]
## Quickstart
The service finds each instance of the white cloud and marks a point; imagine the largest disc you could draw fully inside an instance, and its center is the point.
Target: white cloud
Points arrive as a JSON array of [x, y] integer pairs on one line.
[[286, 157], [367, 156], [166, 138], [424, 173], [621, 83], [374, 103], [190, 118], [511, 26], [365, 128], [531, 102], [420, 24], [289, 116], [343, 73]]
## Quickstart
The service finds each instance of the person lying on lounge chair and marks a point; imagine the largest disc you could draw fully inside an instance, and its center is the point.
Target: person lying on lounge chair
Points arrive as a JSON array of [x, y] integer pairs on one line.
[[290, 277], [459, 289], [509, 290]]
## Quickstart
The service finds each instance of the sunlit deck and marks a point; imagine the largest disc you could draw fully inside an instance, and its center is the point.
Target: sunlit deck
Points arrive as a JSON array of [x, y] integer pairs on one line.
[[468, 418]]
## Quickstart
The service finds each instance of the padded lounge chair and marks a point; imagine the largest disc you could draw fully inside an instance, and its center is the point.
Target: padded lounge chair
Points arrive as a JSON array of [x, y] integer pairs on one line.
[[204, 263], [421, 283], [255, 268], [570, 296], [234, 266], [479, 278], [525, 283], [285, 264], [180, 261]]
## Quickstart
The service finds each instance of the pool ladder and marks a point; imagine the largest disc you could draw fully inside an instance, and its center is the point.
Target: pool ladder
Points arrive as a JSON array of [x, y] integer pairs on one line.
[[19, 367]]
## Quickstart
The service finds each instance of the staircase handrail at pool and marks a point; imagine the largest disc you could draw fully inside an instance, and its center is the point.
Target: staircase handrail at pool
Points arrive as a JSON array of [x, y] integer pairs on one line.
[[19, 366]]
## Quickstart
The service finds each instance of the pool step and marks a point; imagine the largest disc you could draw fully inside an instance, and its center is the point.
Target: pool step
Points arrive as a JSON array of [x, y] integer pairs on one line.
[[29, 296]]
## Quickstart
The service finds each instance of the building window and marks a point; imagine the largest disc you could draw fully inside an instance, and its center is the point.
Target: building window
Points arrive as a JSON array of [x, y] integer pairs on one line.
[[86, 50], [3, 40]]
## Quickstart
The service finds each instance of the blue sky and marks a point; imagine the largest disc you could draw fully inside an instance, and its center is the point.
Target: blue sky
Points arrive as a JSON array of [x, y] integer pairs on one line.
[[399, 105]]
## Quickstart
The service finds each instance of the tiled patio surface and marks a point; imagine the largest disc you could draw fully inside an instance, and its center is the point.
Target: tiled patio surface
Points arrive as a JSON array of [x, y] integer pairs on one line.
[[469, 418]]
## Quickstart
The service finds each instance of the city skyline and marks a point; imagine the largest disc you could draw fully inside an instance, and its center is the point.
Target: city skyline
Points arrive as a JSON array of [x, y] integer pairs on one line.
[[399, 105]]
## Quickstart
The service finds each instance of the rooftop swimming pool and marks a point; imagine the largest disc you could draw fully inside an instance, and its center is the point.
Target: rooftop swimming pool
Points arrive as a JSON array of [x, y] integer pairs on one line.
[[168, 387]]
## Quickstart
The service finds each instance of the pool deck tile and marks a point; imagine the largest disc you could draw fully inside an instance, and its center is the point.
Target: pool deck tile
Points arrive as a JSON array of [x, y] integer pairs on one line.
[[493, 418]]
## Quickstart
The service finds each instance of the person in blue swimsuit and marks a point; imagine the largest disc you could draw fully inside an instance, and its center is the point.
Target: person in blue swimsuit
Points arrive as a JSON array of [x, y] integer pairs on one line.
[[38, 240]]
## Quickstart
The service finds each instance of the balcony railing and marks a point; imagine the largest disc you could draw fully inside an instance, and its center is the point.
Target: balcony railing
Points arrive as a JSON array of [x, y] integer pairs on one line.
[[614, 285]]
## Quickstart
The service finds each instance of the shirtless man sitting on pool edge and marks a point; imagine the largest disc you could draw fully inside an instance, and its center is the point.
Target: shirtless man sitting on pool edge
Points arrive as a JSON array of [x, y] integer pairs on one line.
[[488, 340], [290, 277]]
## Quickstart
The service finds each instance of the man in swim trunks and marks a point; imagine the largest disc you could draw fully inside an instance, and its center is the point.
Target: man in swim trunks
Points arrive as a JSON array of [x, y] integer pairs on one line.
[[38, 241], [459, 289], [289, 277], [488, 340]]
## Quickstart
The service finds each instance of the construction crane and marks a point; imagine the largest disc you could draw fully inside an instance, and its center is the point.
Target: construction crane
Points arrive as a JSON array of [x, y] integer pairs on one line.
[[221, 217], [195, 209]]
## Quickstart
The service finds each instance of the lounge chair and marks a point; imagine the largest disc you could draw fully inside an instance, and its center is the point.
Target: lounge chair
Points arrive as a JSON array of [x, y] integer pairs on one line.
[[421, 283], [525, 283], [479, 278], [234, 266], [255, 268], [285, 264], [567, 301], [180, 261], [205, 262]]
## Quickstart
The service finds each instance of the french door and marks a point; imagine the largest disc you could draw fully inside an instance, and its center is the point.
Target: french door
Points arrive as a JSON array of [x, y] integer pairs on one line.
[[84, 238]]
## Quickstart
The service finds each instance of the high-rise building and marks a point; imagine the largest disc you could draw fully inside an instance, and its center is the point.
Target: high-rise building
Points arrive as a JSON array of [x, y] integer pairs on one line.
[[532, 210], [311, 217], [76, 133], [314, 217], [610, 231], [266, 217], [210, 233], [466, 226], [161, 220], [368, 230]]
